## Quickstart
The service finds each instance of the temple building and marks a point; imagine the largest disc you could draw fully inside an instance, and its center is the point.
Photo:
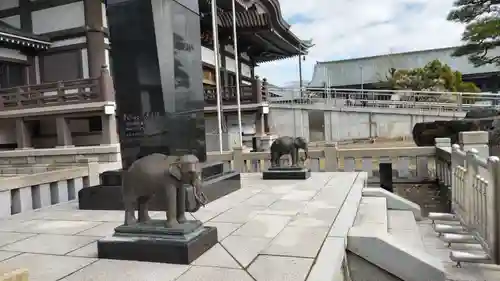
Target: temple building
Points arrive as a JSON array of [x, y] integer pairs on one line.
[[56, 71]]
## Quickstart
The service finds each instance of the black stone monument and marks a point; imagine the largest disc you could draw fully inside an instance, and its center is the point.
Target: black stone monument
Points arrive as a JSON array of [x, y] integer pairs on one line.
[[157, 70]]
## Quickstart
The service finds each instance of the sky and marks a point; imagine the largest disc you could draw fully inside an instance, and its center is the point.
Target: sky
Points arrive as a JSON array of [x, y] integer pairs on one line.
[[343, 29]]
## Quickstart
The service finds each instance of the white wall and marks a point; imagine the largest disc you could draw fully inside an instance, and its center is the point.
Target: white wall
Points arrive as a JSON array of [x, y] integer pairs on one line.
[[15, 21], [58, 18], [7, 4], [351, 123], [13, 54]]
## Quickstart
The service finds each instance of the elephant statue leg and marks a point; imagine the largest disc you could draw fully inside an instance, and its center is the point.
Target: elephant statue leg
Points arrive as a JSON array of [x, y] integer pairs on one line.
[[181, 205], [130, 212], [142, 203], [171, 206], [295, 154], [275, 159]]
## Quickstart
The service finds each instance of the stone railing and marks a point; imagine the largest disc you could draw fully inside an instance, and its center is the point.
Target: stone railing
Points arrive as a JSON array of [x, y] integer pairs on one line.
[[474, 179], [59, 93], [410, 163], [33, 191], [29, 161]]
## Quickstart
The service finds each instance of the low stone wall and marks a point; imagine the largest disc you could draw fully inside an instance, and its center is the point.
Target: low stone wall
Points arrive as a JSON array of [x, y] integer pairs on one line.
[[29, 161], [34, 191]]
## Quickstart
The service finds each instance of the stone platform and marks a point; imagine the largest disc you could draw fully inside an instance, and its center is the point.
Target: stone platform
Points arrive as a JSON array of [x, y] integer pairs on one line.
[[267, 231]]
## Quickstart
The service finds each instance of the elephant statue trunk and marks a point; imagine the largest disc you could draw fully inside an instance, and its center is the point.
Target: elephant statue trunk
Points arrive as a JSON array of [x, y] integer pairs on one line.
[[306, 153]]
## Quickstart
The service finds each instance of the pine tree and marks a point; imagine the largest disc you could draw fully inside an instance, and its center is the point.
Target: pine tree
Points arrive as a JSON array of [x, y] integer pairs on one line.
[[482, 31]]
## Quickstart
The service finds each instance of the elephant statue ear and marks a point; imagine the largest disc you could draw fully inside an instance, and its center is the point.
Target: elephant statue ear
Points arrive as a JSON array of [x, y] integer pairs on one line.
[[175, 171]]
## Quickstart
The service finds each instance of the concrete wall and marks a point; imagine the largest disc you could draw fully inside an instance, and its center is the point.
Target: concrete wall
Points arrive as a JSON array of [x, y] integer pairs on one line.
[[351, 123]]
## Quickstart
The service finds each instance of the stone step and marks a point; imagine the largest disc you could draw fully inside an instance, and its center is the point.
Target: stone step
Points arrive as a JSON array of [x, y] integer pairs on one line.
[[459, 238], [472, 257], [394, 201], [393, 256], [449, 228], [442, 217], [372, 213], [403, 226]]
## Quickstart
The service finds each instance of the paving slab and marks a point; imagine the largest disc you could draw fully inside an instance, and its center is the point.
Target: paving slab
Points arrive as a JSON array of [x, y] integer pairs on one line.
[[268, 230], [200, 273], [87, 251], [7, 255], [245, 249], [262, 225], [47, 267], [109, 270], [51, 244], [11, 237], [224, 229], [102, 229], [297, 242], [55, 226], [275, 268], [217, 256]]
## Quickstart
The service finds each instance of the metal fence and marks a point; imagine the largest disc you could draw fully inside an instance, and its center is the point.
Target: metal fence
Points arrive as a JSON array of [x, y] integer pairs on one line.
[[403, 99]]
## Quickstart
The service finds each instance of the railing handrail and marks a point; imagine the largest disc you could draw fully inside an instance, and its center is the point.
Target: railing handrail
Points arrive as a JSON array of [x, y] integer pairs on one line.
[[59, 92], [350, 90]]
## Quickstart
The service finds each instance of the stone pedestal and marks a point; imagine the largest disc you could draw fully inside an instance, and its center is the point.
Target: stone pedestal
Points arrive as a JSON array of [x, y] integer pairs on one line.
[[286, 173], [153, 242], [217, 183]]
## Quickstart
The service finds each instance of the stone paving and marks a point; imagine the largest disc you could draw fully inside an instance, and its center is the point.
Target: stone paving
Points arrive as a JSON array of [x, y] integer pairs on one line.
[[268, 231]]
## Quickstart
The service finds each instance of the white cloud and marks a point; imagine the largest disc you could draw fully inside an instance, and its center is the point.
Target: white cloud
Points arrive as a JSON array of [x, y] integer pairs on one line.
[[344, 29]]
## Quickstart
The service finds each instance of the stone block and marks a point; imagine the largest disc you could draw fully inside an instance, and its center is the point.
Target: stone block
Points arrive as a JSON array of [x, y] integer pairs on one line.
[[5, 203], [166, 248], [21, 200], [59, 192], [286, 174]]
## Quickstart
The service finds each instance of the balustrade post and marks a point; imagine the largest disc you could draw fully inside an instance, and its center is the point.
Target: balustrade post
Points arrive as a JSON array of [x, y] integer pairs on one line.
[[331, 159], [106, 88], [477, 140], [455, 161], [442, 169], [257, 89], [471, 167], [493, 207], [238, 161]]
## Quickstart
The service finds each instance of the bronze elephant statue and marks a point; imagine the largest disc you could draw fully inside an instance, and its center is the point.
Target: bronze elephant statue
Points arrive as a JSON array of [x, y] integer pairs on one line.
[[287, 145], [179, 181]]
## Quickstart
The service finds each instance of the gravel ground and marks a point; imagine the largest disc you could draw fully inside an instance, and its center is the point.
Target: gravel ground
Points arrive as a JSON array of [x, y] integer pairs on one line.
[[429, 196]]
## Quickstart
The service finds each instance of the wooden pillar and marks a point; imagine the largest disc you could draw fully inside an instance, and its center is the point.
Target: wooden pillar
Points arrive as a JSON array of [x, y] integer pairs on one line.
[[109, 130], [23, 134], [95, 36], [63, 132]]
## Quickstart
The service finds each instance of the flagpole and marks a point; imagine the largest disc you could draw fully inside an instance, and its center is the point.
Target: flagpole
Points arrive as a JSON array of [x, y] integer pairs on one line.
[[215, 37], [237, 71]]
